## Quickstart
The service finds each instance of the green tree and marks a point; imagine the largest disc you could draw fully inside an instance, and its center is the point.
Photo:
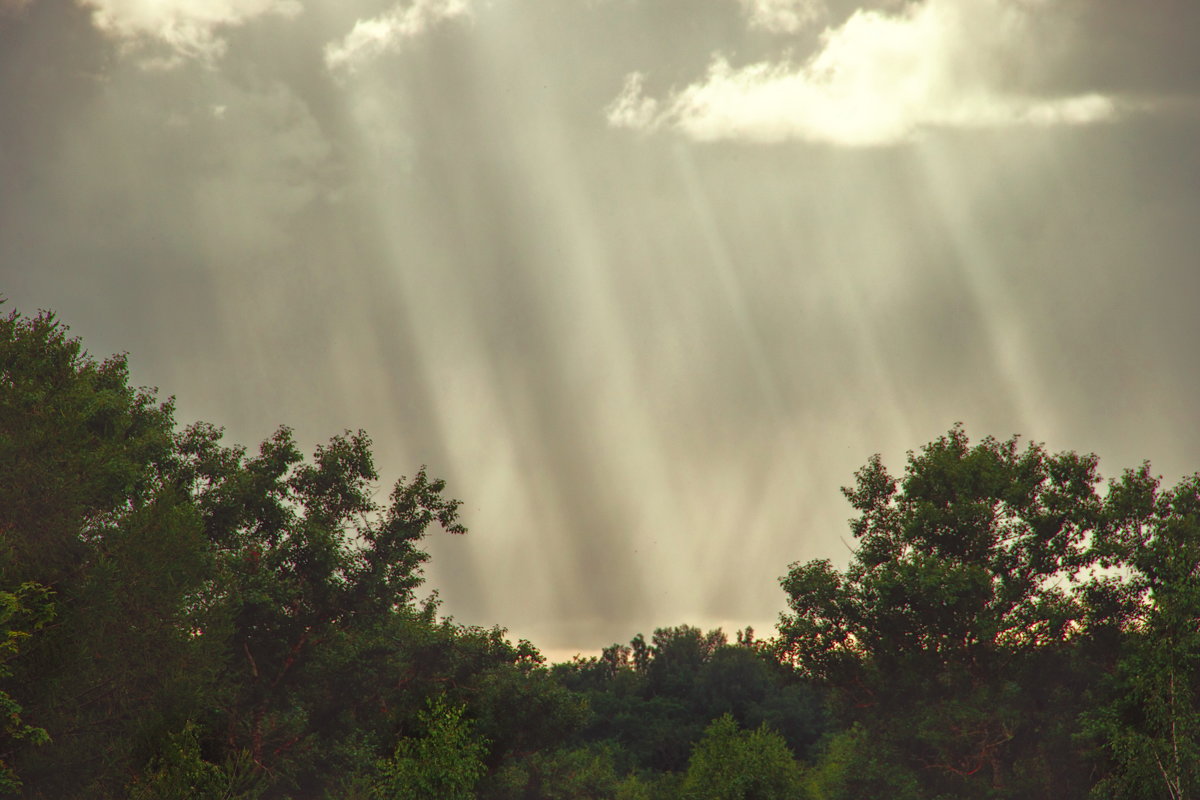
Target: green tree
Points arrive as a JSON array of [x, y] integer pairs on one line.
[[852, 766], [962, 578], [732, 764], [85, 513], [562, 773], [677, 656], [21, 613], [76, 443], [180, 770], [444, 764], [266, 600], [651, 702], [1150, 725], [318, 582]]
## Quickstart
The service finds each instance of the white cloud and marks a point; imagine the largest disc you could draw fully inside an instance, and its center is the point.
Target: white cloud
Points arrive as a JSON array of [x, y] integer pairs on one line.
[[189, 28], [878, 79], [631, 108], [782, 16], [372, 37]]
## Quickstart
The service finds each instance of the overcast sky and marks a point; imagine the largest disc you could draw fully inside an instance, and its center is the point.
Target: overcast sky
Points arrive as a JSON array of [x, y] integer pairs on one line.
[[644, 280]]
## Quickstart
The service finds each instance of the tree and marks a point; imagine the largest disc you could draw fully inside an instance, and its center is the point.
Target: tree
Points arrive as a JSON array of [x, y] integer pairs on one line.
[[180, 770], [677, 655], [561, 773], [852, 766], [76, 443], [255, 603], [444, 764], [732, 764], [963, 575], [1149, 725], [85, 514], [21, 613], [318, 581]]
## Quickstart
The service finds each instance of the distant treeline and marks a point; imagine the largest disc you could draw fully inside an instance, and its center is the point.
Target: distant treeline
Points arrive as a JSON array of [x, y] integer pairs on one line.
[[184, 619]]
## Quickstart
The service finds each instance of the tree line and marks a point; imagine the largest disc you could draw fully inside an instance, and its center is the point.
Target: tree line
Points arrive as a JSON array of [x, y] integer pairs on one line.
[[184, 618]]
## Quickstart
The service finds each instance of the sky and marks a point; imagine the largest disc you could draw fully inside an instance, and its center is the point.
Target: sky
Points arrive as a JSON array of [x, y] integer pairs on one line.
[[645, 281]]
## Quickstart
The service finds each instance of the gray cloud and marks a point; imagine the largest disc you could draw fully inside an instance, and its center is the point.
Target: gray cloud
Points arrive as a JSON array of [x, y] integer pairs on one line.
[[13, 7], [646, 363]]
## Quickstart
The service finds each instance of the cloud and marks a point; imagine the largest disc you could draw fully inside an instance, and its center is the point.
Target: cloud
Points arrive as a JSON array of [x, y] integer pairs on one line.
[[631, 108], [878, 79], [782, 16], [13, 7], [221, 172], [372, 37], [188, 28]]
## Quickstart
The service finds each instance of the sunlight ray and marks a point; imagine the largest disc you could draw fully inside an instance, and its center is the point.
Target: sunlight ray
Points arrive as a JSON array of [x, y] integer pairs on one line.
[[1013, 353]]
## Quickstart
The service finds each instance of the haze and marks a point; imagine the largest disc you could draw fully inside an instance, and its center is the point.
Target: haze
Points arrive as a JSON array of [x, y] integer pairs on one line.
[[644, 280]]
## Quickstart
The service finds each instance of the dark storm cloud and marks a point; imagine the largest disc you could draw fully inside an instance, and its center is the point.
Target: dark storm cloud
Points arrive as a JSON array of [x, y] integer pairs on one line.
[[645, 363]]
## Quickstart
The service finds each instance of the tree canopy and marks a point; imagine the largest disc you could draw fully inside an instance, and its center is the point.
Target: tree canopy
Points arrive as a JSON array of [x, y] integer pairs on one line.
[[181, 617], [990, 586]]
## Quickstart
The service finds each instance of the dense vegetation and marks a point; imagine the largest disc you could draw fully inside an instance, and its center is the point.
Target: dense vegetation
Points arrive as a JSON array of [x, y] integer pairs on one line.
[[180, 618]]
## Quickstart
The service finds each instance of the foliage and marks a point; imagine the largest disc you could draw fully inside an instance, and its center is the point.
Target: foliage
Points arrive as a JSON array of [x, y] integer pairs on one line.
[[184, 618], [654, 700], [444, 764], [84, 513], [732, 764], [562, 773], [850, 767], [76, 442], [961, 579], [1150, 725], [180, 770], [194, 585], [21, 613], [317, 580]]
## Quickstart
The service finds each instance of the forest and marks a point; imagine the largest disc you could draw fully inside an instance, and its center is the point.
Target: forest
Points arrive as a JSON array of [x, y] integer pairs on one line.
[[185, 618]]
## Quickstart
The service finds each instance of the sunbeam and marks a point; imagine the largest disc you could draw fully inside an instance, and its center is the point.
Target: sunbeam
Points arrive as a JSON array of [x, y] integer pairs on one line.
[[645, 333], [1011, 350]]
